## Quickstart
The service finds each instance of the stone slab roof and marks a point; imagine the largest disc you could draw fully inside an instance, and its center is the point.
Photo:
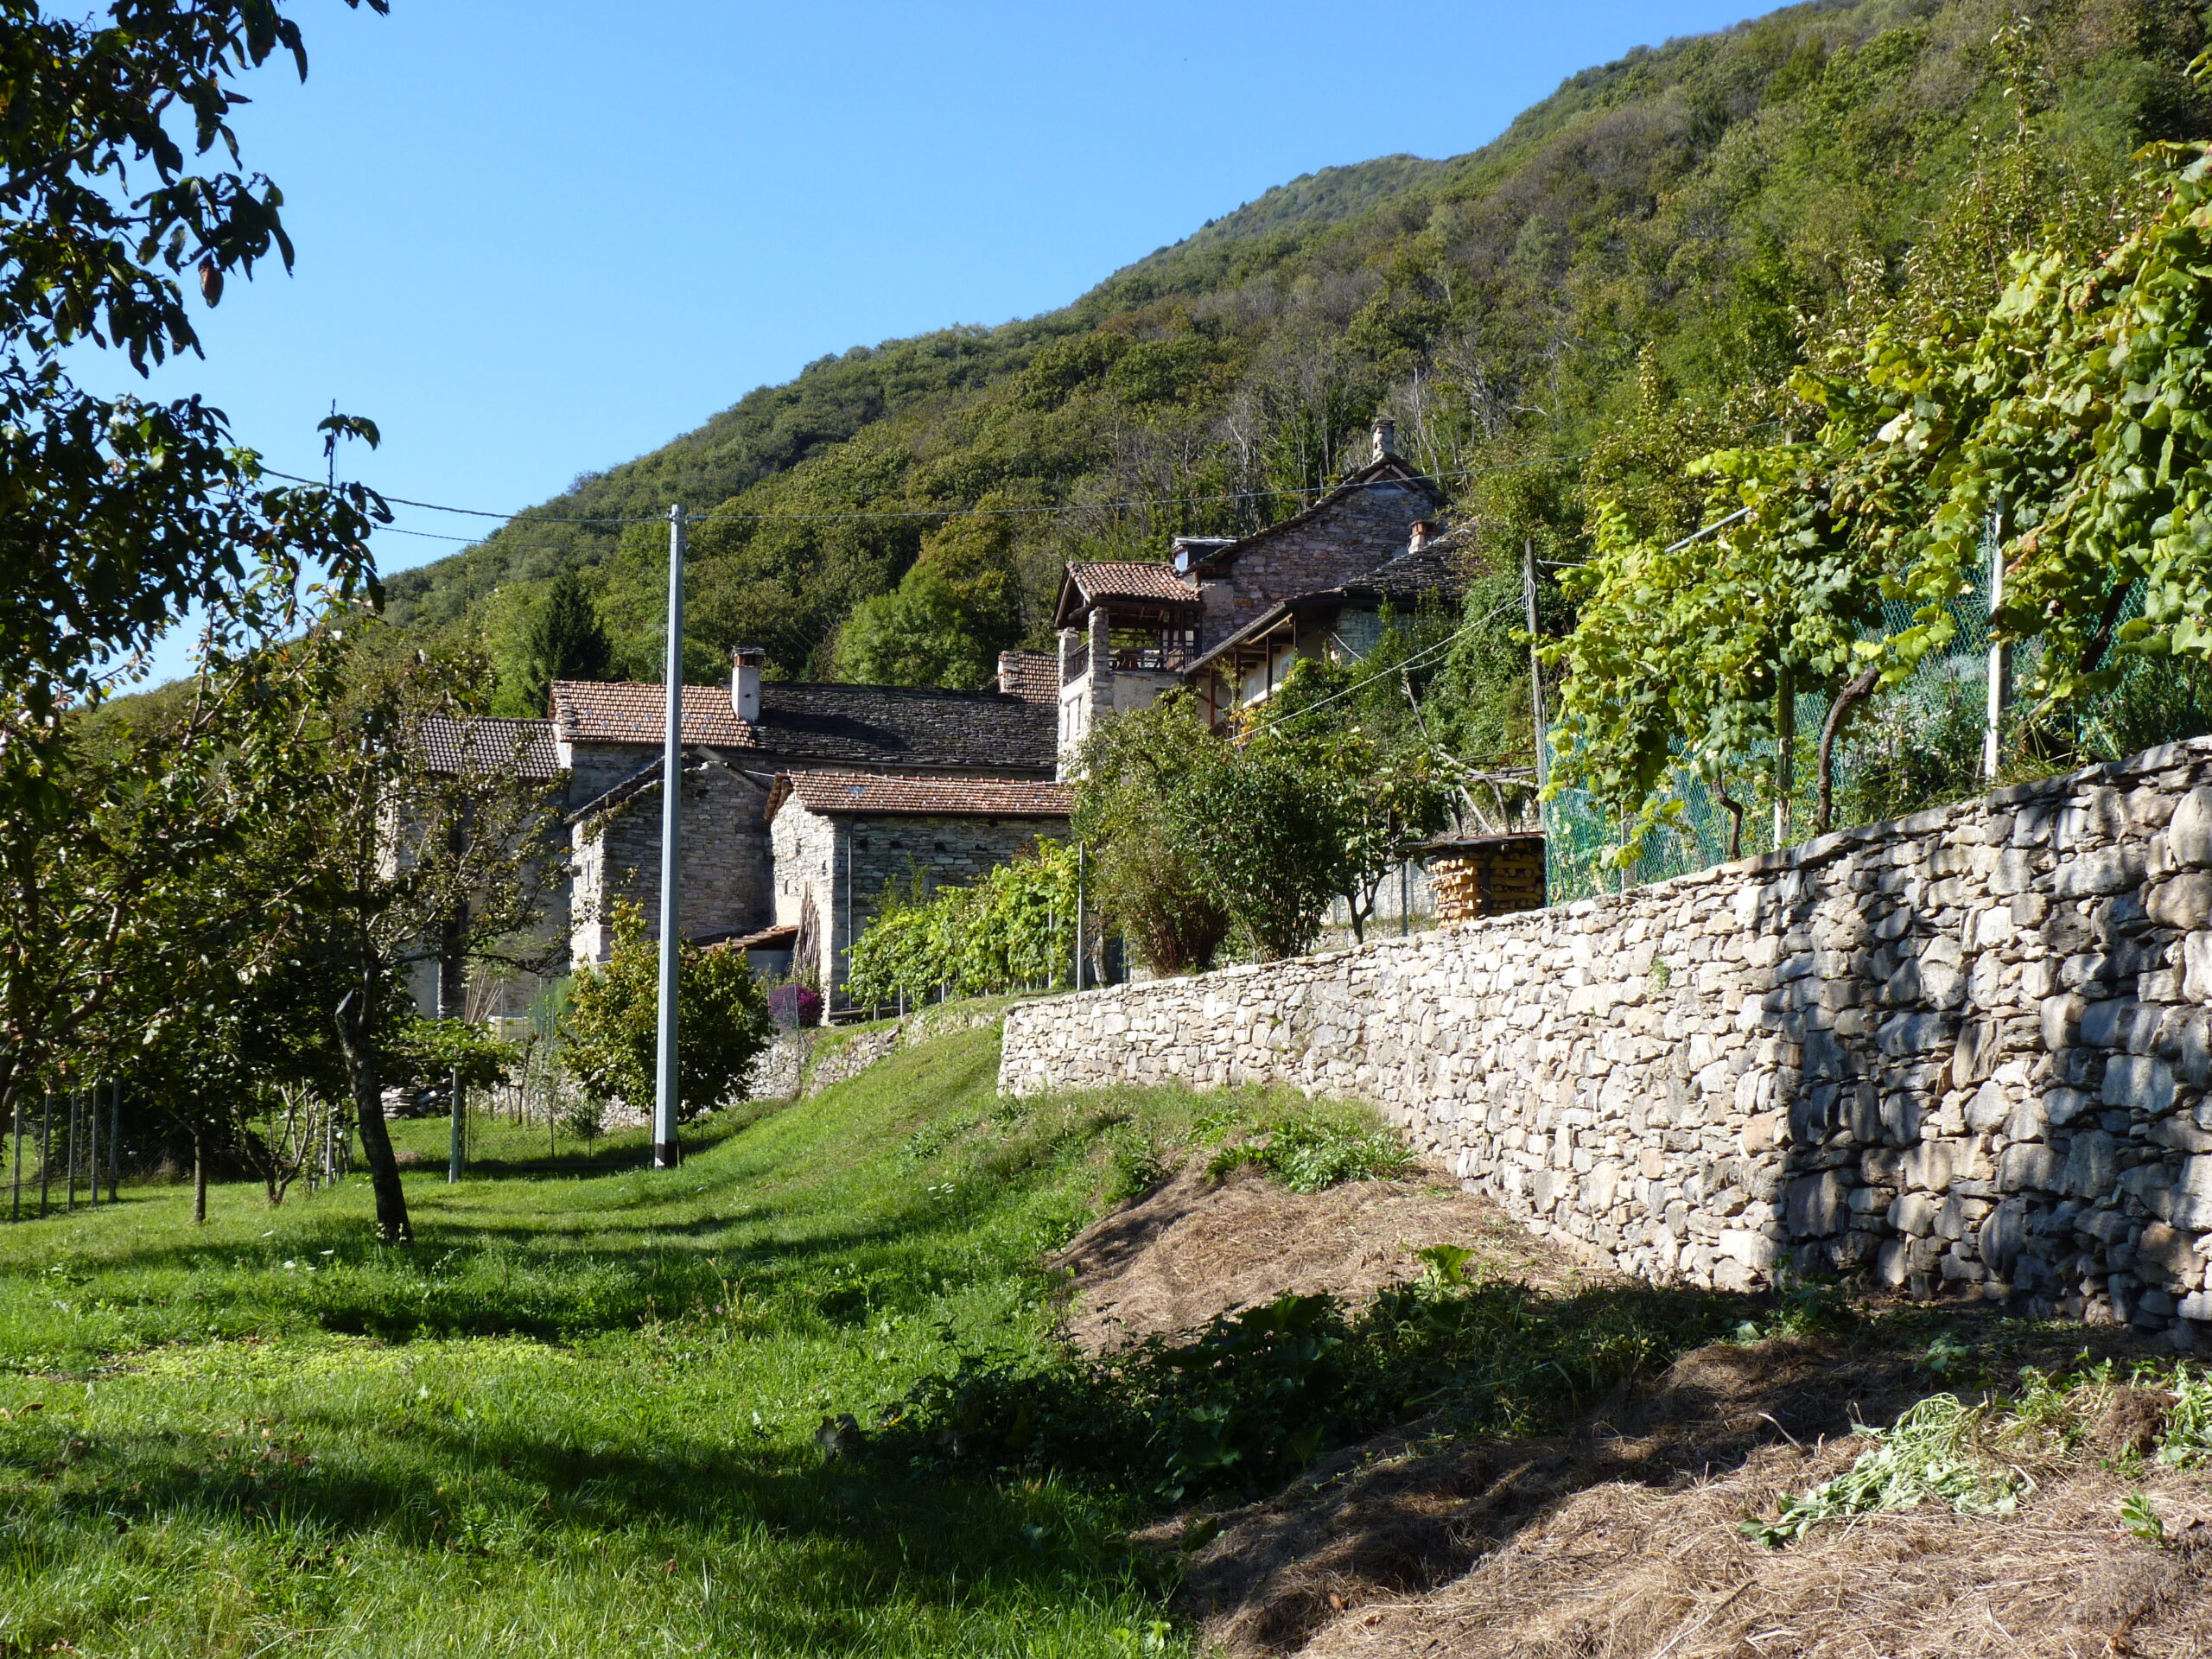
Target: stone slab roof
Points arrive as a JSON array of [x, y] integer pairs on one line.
[[869, 793], [487, 745], [867, 724], [1402, 583], [1388, 472]]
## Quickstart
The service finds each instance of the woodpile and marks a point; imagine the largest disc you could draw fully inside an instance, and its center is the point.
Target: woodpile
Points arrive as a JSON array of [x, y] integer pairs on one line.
[[1486, 875]]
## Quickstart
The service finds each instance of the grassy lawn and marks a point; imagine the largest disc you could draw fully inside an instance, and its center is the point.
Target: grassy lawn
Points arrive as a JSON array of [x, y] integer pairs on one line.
[[580, 1415]]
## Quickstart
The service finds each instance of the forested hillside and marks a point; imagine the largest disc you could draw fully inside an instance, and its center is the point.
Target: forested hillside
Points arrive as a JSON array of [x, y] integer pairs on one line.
[[1623, 279]]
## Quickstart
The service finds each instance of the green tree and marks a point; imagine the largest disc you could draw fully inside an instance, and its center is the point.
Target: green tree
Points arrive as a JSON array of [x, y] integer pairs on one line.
[[565, 641], [409, 862], [122, 512], [1147, 884], [609, 1034], [952, 612]]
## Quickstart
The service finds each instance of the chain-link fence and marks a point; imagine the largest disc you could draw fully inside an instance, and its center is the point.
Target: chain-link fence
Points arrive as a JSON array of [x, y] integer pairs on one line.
[[1917, 745]]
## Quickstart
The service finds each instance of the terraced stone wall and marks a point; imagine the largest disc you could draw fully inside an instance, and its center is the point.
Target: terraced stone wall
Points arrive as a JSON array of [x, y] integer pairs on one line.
[[1965, 1052]]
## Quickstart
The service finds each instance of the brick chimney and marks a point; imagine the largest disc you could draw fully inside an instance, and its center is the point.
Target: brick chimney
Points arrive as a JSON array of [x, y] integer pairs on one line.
[[744, 665], [1386, 439]]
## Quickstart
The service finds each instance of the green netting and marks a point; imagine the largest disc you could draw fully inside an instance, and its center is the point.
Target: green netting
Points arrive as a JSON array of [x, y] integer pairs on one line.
[[1914, 746]]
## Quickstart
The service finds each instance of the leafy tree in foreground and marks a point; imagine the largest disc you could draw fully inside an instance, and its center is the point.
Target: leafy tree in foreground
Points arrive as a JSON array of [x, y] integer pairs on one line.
[[610, 1034], [136, 921], [122, 513], [411, 864]]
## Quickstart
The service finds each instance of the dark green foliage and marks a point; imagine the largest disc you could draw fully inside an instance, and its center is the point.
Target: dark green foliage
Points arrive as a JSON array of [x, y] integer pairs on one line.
[[565, 642], [1676, 225], [610, 1032], [1253, 1399]]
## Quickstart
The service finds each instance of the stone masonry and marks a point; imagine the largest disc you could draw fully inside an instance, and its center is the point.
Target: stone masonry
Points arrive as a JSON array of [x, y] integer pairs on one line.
[[1967, 1051]]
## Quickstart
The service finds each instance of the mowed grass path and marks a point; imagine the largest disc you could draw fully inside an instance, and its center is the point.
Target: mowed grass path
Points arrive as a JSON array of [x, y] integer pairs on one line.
[[579, 1415]]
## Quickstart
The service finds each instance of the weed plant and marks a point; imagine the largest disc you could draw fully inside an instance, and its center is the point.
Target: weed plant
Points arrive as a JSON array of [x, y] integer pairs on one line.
[[1314, 1149], [1253, 1399]]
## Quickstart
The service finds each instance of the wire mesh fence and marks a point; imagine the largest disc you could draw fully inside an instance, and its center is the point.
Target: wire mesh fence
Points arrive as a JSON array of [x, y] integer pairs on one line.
[[1917, 745]]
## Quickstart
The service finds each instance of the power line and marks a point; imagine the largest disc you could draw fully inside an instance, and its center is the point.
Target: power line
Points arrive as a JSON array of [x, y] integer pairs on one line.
[[1396, 668], [536, 516]]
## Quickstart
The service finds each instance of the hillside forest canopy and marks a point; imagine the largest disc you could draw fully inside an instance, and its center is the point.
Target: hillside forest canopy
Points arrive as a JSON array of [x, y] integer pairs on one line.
[[1631, 277]]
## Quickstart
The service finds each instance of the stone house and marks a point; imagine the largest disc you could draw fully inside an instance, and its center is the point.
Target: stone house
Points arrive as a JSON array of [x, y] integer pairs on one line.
[[1227, 616], [841, 840], [739, 741], [450, 990], [1342, 622]]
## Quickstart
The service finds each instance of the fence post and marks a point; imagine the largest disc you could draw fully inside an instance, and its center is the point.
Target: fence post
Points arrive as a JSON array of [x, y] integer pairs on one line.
[[1785, 754], [92, 1142], [17, 1214], [114, 1139], [2000, 654], [45, 1153], [1535, 667]]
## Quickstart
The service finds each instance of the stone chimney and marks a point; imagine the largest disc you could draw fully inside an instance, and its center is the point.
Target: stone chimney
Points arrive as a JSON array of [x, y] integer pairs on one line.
[[744, 665], [1006, 673], [1419, 538], [1386, 439]]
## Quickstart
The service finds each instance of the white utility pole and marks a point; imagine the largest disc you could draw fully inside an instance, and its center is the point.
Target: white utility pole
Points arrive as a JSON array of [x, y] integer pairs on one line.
[[667, 1150], [2000, 656]]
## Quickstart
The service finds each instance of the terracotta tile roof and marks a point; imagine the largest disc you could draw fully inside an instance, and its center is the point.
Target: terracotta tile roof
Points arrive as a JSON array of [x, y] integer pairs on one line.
[[487, 745], [1129, 579], [965, 797], [588, 711], [871, 725], [1033, 675]]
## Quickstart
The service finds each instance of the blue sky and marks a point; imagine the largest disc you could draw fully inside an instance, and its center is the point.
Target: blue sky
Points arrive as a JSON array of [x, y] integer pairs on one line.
[[539, 238]]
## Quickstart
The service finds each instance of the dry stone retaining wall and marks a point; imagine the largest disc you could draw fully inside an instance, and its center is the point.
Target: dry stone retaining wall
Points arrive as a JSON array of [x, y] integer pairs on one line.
[[1967, 1051]]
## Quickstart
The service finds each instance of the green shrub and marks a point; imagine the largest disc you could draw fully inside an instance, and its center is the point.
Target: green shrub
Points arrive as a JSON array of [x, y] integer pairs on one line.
[[1311, 1152], [1254, 1397], [610, 1030], [1015, 929]]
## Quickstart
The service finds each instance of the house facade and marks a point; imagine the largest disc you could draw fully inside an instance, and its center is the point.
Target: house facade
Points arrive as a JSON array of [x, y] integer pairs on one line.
[[742, 744], [1229, 617], [841, 840]]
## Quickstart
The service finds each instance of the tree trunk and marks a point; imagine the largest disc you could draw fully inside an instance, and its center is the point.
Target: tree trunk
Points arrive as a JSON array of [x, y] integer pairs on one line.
[[393, 1225], [1847, 699], [1734, 809], [199, 1177]]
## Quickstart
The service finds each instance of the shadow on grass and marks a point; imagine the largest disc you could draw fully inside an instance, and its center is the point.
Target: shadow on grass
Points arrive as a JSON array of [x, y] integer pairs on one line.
[[509, 1493]]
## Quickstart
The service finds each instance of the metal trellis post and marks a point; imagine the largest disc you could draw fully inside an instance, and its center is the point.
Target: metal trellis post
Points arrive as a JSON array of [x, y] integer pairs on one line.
[[2000, 656], [457, 1147]]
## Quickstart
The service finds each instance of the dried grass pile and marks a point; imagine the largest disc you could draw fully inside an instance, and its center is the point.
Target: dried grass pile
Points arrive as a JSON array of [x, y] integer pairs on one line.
[[1198, 1247], [2102, 1555]]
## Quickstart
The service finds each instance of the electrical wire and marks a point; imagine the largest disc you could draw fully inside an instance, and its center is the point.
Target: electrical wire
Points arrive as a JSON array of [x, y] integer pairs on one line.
[[536, 516], [1420, 655]]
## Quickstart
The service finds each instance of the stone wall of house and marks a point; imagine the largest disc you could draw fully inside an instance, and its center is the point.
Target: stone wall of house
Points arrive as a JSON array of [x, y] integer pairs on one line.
[[818, 855], [1346, 539], [1965, 1051], [727, 882]]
